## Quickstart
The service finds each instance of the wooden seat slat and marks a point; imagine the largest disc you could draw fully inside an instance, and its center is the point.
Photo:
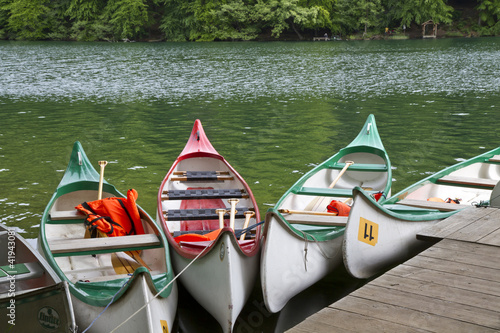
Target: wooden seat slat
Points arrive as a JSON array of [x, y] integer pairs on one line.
[[104, 244], [361, 167], [201, 176], [204, 194], [200, 214], [495, 159], [468, 181], [335, 221], [67, 215], [442, 206]]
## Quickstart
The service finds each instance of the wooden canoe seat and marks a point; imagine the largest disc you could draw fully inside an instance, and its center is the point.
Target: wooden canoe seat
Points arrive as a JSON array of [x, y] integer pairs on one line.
[[468, 181], [187, 176], [442, 206], [203, 232], [325, 192], [79, 246], [361, 167], [200, 214], [330, 221], [67, 215], [495, 159], [204, 194], [203, 244]]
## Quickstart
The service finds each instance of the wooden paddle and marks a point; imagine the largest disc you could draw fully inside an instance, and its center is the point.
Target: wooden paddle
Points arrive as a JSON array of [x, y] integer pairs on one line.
[[313, 202], [248, 215], [308, 212]]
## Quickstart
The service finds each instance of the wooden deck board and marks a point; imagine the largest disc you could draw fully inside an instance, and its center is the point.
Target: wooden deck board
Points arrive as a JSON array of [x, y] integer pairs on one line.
[[454, 223], [453, 286]]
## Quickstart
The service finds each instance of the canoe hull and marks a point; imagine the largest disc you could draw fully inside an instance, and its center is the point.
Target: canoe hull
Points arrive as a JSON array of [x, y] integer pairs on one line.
[[154, 318], [221, 280], [375, 240], [290, 264]]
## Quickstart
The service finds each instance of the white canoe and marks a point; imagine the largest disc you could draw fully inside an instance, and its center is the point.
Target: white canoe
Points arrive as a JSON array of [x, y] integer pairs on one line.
[[378, 236], [223, 268], [302, 242], [97, 281]]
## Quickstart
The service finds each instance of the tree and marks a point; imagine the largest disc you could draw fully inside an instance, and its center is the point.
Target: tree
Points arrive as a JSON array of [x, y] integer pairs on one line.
[[27, 18], [489, 12], [408, 11], [127, 17]]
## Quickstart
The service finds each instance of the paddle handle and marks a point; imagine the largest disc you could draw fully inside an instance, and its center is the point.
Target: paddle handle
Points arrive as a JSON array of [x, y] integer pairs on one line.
[[221, 213], [102, 164], [347, 164], [232, 215], [308, 212], [248, 215]]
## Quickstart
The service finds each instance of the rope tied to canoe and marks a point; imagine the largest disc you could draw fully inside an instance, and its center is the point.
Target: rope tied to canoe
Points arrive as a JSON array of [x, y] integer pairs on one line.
[[306, 242], [155, 296]]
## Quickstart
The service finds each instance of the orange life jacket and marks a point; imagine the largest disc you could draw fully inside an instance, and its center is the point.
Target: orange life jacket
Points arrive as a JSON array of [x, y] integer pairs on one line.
[[338, 207], [113, 216]]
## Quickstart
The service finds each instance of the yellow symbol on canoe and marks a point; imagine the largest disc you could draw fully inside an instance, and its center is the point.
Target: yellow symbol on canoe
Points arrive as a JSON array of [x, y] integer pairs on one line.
[[368, 231], [164, 326]]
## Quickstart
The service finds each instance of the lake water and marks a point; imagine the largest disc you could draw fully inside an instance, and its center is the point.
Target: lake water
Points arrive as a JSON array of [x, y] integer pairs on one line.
[[273, 110]]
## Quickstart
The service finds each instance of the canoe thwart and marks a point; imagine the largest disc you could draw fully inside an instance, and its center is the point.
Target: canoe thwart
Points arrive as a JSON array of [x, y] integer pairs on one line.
[[325, 192], [442, 206], [77, 246], [204, 194], [361, 167], [67, 215], [203, 232], [469, 181], [199, 214], [320, 220], [201, 175], [495, 159]]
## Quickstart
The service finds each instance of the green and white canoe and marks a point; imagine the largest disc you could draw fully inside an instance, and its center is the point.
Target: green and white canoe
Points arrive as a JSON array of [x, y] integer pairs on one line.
[[302, 241], [378, 235], [96, 268]]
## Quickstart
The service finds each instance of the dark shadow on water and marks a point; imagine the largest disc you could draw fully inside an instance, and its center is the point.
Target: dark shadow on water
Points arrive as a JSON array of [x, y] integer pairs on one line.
[[192, 318]]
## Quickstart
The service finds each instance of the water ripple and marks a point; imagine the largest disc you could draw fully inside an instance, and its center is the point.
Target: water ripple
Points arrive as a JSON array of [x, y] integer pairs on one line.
[[184, 71]]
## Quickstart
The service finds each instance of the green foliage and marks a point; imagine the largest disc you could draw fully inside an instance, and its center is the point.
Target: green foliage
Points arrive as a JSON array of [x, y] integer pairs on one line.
[[28, 18], [419, 11], [489, 12]]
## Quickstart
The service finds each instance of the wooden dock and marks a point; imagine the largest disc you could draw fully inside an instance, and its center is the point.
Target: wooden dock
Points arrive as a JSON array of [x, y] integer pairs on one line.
[[453, 286]]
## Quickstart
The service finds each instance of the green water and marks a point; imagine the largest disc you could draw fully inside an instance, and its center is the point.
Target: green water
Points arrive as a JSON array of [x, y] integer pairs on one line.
[[273, 110]]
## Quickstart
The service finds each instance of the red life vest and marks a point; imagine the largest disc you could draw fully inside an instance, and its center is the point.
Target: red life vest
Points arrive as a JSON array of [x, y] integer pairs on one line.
[[338, 207], [113, 216]]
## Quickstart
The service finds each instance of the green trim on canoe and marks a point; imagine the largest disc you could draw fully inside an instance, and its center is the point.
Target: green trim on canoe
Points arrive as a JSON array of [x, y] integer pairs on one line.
[[405, 213], [80, 175]]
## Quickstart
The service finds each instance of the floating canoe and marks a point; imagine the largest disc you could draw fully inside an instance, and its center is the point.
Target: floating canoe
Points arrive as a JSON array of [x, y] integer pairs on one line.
[[32, 297], [302, 242], [195, 211], [124, 272], [378, 236]]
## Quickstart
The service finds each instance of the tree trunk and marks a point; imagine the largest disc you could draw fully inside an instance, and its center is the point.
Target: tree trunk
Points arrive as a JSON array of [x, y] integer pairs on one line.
[[296, 31]]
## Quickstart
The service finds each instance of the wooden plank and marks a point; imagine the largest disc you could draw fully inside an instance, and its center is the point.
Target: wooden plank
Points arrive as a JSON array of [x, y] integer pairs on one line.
[[104, 243], [461, 256], [495, 159], [471, 248], [478, 228], [440, 310], [453, 223], [442, 206], [419, 316], [317, 220], [491, 239], [469, 181], [335, 320], [458, 281], [67, 215], [440, 291], [455, 267]]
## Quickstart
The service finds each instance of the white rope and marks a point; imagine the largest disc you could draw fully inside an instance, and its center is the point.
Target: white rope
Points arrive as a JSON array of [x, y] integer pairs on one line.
[[155, 296]]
